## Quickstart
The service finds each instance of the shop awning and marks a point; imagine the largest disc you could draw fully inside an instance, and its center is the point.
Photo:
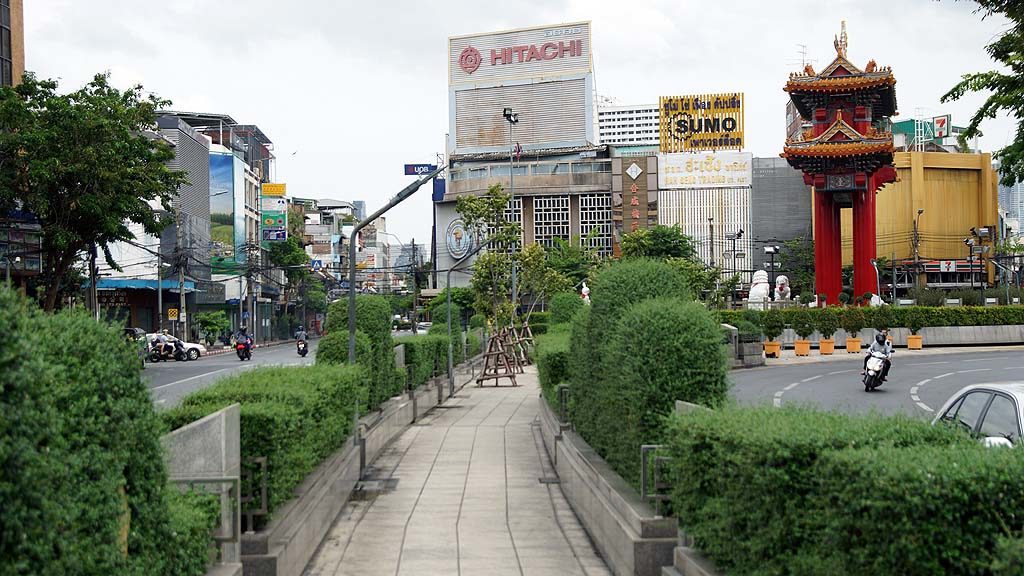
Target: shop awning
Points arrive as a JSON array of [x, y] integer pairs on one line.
[[142, 284]]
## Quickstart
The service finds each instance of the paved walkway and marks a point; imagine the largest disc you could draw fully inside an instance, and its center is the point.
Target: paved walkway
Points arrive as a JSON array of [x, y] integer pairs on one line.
[[465, 496]]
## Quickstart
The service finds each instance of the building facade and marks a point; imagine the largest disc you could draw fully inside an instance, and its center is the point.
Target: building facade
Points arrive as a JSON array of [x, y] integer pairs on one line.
[[12, 42], [628, 125]]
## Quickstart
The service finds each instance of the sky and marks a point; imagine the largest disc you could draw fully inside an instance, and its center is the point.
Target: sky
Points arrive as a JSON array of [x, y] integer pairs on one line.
[[351, 91]]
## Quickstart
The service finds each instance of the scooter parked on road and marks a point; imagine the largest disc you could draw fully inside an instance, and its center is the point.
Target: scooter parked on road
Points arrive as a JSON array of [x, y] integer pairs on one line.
[[175, 350]]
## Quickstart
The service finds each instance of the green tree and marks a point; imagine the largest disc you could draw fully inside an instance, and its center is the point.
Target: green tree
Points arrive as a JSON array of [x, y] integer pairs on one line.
[[484, 217], [86, 164], [538, 278], [658, 242], [1005, 87], [213, 324], [292, 258], [572, 259], [797, 259]]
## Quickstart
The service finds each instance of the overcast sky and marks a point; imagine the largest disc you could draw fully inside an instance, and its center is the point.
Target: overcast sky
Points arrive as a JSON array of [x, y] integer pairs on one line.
[[349, 91]]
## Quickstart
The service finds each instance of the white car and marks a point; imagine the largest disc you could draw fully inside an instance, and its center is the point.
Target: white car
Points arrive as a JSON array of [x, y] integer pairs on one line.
[[990, 412], [194, 351]]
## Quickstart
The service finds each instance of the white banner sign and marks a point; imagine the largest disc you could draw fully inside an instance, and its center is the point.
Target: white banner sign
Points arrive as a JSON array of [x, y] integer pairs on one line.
[[273, 204], [705, 170]]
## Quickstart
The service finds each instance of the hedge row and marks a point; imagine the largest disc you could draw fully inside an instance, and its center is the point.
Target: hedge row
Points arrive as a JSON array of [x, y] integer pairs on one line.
[[373, 318], [80, 455], [641, 345], [425, 356], [564, 307], [552, 355], [895, 316], [796, 491], [293, 416]]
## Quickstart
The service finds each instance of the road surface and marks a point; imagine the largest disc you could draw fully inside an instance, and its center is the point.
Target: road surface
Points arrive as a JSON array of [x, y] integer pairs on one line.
[[917, 385], [170, 381]]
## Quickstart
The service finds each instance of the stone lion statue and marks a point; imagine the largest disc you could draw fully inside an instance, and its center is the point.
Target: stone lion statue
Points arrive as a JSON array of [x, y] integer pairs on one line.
[[782, 291], [759, 289]]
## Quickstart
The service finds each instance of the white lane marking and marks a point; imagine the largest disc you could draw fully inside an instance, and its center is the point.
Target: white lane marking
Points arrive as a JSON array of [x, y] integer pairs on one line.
[[974, 370], [943, 375], [1014, 368], [985, 359], [809, 379], [840, 372], [161, 401], [779, 394], [182, 381], [790, 387], [917, 399], [926, 363]]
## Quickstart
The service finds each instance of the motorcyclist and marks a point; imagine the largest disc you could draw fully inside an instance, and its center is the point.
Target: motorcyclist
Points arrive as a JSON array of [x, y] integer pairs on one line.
[[883, 346], [300, 334], [162, 341], [244, 337]]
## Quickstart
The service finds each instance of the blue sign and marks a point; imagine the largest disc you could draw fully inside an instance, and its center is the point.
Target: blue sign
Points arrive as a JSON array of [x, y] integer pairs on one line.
[[316, 264], [245, 315], [419, 169], [439, 189]]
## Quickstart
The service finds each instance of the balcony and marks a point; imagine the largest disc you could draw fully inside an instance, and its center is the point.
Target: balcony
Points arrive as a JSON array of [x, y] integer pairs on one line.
[[533, 178]]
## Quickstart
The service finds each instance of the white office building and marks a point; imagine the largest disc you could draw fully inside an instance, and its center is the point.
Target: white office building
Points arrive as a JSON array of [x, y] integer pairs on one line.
[[627, 125]]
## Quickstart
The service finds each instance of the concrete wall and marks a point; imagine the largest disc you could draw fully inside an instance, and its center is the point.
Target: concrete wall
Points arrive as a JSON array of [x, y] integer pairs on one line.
[[632, 540]]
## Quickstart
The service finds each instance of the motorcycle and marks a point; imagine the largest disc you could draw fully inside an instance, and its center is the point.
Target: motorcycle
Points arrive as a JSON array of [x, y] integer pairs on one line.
[[176, 351], [243, 351], [302, 349], [873, 371]]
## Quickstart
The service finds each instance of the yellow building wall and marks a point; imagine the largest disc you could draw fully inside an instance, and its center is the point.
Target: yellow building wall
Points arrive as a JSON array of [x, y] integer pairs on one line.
[[956, 191]]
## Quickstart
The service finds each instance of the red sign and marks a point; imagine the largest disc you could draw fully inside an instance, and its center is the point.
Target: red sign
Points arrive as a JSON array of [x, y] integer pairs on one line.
[[470, 58]]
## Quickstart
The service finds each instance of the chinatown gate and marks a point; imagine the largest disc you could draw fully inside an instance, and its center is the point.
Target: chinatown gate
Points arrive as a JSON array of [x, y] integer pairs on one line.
[[847, 155]]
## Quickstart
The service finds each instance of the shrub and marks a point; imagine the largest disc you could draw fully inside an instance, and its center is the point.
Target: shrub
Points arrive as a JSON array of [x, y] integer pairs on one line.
[[439, 317], [803, 323], [477, 321], [426, 356], [539, 318], [852, 321], [844, 298], [373, 318], [773, 324], [1009, 557], [79, 448], [552, 354], [748, 485], [333, 349], [474, 343], [193, 517], [827, 322], [927, 296], [691, 365], [882, 318], [748, 332], [564, 306], [293, 416], [914, 319], [442, 330], [966, 296]]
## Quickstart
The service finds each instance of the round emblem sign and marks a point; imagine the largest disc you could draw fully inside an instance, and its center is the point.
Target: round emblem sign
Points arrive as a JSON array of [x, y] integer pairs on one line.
[[459, 239], [470, 59]]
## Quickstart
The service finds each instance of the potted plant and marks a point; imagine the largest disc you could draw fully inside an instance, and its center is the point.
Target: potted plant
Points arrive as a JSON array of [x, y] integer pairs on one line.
[[772, 324], [852, 320], [803, 325], [915, 321], [828, 323]]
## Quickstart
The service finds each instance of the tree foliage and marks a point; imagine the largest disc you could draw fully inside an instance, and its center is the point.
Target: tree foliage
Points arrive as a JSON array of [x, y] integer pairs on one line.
[[797, 258], [1005, 88], [292, 257], [572, 259], [86, 164], [659, 241]]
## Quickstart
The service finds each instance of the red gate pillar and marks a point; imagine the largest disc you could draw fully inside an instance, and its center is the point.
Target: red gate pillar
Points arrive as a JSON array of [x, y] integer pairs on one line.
[[828, 278], [864, 241]]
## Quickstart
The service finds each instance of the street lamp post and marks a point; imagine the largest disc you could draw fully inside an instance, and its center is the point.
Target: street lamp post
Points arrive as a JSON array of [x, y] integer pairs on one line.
[[771, 251], [513, 119], [734, 238], [917, 246]]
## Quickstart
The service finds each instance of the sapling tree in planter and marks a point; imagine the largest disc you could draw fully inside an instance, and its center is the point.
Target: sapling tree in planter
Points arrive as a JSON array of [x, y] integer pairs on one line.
[[915, 321], [772, 324], [852, 320], [827, 324], [803, 325]]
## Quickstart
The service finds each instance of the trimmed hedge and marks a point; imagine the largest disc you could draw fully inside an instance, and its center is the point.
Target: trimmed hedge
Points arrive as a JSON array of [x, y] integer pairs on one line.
[[80, 454], [552, 355], [662, 350], [757, 487], [477, 321], [564, 306], [294, 416], [373, 318], [539, 319], [333, 349]]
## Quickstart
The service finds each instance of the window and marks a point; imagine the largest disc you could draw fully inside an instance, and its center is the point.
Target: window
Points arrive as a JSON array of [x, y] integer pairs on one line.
[[550, 219], [550, 169], [1001, 420], [596, 222], [967, 411], [6, 56]]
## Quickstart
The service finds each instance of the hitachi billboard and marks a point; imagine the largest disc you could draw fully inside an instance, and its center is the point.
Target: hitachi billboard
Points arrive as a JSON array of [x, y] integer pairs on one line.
[[544, 73], [548, 51]]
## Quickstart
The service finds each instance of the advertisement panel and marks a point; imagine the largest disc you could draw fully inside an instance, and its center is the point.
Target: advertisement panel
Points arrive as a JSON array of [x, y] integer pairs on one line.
[[238, 176], [701, 122], [681, 171], [543, 51], [273, 213], [222, 213], [271, 189]]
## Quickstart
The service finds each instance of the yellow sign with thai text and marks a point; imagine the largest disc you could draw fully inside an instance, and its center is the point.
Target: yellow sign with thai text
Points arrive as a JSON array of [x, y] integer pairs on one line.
[[270, 189], [701, 122]]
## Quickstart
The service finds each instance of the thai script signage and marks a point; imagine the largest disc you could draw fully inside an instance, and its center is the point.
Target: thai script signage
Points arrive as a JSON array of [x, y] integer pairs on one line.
[[708, 170], [701, 122]]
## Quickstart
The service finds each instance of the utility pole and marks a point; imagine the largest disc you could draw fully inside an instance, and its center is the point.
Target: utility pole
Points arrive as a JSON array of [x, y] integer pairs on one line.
[[513, 119], [93, 294], [917, 255], [182, 316], [415, 287], [711, 239]]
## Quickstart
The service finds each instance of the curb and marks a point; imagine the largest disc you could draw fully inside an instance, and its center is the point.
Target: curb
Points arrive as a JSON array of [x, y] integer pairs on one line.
[[789, 358]]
